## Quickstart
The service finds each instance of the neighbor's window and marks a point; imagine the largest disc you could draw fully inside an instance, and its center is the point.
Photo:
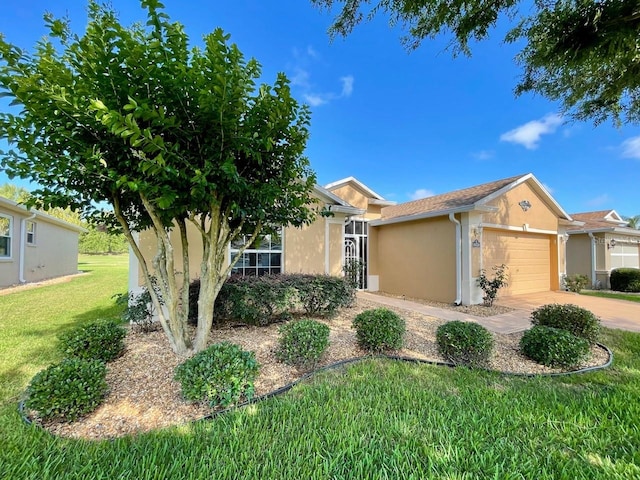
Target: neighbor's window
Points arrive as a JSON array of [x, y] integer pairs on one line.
[[31, 232], [5, 236], [262, 257]]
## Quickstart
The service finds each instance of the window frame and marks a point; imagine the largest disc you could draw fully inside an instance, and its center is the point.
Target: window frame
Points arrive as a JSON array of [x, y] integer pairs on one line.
[[258, 269], [33, 234], [9, 238]]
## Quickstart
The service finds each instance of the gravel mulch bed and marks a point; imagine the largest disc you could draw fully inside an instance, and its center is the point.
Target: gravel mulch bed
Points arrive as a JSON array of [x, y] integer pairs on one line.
[[143, 395]]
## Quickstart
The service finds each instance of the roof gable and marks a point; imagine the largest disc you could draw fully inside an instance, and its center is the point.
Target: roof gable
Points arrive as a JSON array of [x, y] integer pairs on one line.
[[355, 183], [600, 220]]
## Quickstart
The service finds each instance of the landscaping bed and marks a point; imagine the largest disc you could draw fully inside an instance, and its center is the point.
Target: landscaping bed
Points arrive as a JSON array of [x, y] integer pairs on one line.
[[143, 395]]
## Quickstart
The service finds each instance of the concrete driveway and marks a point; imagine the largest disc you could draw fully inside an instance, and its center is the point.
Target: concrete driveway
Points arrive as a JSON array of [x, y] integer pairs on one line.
[[613, 313]]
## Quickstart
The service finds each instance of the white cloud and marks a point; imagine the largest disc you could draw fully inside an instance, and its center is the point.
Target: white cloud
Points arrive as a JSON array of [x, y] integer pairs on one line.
[[483, 154], [421, 193], [347, 85], [315, 99], [300, 78], [301, 68], [528, 135], [631, 148], [600, 200], [548, 188]]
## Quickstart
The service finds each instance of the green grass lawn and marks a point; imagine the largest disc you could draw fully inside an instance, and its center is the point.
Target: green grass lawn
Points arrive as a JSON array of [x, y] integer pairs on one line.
[[376, 419], [619, 295]]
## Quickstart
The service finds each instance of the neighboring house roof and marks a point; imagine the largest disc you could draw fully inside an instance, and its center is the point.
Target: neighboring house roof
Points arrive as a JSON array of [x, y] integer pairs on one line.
[[336, 203], [602, 221], [464, 200], [374, 198], [22, 210]]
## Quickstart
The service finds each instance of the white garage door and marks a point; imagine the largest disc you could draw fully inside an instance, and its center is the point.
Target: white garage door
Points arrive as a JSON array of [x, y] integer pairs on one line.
[[625, 255], [527, 255]]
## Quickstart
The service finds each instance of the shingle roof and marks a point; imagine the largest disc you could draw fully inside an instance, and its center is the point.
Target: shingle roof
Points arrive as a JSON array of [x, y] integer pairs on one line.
[[447, 201], [595, 221]]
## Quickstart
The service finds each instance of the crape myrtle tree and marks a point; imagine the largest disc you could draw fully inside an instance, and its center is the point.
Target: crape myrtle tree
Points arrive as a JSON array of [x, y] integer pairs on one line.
[[583, 53], [168, 135]]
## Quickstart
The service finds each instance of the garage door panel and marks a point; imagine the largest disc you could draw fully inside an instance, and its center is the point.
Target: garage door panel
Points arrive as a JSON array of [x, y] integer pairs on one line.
[[528, 257]]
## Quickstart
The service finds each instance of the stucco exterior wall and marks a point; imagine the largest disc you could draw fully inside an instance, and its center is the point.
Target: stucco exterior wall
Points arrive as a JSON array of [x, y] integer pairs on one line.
[[359, 199], [304, 248], [579, 255], [539, 216], [54, 254], [336, 250], [416, 259]]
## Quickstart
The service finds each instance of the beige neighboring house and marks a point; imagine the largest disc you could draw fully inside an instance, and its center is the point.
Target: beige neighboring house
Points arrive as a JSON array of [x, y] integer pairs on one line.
[[35, 246], [433, 248], [602, 243]]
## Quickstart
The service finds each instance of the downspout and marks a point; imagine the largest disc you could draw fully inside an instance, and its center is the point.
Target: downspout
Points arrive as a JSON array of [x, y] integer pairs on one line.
[[593, 259], [23, 245], [458, 300]]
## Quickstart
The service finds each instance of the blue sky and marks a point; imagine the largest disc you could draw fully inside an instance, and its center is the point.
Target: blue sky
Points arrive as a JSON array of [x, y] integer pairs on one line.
[[406, 124]]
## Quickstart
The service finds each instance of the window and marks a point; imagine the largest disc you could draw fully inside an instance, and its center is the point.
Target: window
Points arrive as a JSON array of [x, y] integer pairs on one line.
[[5, 236], [262, 257], [31, 232]]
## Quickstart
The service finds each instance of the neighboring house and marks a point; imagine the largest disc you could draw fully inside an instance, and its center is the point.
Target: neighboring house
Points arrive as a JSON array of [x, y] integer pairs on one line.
[[433, 248], [35, 246], [602, 243]]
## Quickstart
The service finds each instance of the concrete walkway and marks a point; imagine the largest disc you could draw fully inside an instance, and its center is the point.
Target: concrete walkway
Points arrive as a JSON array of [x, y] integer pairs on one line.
[[510, 322], [614, 313]]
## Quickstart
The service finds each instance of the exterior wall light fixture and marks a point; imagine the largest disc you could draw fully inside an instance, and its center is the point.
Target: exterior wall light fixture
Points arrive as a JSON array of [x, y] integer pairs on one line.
[[611, 244]]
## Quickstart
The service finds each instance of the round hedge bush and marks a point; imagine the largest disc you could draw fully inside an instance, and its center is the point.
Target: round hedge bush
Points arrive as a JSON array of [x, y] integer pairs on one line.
[[553, 347], [99, 340], [465, 343], [68, 390], [219, 375], [572, 318], [302, 343], [379, 329]]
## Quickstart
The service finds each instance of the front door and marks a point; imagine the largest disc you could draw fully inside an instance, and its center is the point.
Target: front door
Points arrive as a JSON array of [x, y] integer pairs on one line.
[[355, 251]]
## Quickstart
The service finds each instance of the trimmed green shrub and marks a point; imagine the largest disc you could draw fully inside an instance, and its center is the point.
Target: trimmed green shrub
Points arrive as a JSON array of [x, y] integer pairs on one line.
[[68, 390], [553, 347], [379, 329], [465, 343], [576, 320], [634, 287], [321, 295], [273, 298], [622, 279], [576, 282], [99, 340], [302, 343], [219, 375]]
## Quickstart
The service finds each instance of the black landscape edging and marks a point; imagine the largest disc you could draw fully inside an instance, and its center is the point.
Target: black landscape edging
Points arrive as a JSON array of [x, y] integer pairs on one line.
[[306, 376]]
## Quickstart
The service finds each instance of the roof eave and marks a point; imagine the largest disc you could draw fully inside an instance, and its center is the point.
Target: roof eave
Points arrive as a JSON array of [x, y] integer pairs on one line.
[[435, 213]]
